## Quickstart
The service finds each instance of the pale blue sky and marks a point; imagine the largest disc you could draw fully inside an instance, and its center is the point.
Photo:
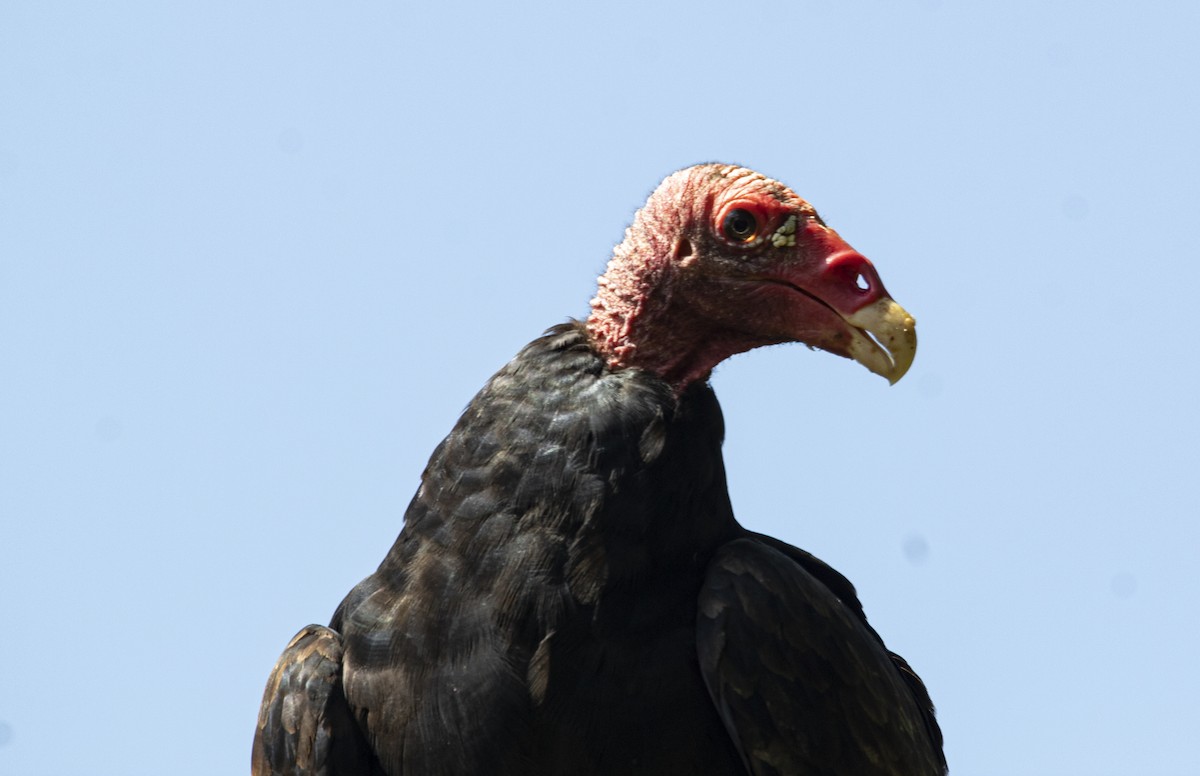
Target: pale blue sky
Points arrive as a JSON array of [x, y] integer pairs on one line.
[[255, 258]]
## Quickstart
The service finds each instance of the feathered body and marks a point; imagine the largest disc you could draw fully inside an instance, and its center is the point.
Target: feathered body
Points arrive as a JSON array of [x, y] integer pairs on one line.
[[571, 593]]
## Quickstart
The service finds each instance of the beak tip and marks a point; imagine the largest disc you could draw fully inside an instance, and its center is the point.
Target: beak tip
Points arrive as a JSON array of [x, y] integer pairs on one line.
[[890, 349]]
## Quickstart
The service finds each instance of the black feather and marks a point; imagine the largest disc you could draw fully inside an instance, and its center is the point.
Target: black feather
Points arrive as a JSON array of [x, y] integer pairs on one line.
[[569, 586]]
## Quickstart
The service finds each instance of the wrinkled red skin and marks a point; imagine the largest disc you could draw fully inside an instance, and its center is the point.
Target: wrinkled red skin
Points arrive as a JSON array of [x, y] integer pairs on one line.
[[680, 296]]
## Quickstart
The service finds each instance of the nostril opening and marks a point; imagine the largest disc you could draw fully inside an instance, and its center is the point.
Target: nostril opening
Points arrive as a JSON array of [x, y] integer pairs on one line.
[[862, 282]]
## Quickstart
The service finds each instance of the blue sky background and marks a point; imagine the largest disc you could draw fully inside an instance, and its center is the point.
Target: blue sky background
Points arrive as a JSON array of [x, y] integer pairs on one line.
[[256, 257]]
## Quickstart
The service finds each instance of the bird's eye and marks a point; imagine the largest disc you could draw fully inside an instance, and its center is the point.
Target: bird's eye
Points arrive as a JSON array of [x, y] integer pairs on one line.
[[740, 225]]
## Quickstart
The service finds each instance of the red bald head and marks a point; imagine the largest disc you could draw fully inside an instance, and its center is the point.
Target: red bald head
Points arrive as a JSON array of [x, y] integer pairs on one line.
[[722, 259]]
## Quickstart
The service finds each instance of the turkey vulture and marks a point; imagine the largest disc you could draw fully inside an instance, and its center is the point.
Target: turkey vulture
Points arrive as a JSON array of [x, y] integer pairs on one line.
[[571, 593]]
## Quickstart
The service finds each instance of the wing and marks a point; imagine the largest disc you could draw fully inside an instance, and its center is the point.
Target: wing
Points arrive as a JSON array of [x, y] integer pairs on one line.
[[305, 727], [802, 683]]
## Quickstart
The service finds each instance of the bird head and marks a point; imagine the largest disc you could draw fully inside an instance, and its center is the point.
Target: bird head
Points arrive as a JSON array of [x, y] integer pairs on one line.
[[722, 259]]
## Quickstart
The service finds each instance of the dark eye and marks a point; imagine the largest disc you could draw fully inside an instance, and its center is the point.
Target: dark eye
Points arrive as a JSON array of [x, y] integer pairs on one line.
[[740, 225]]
